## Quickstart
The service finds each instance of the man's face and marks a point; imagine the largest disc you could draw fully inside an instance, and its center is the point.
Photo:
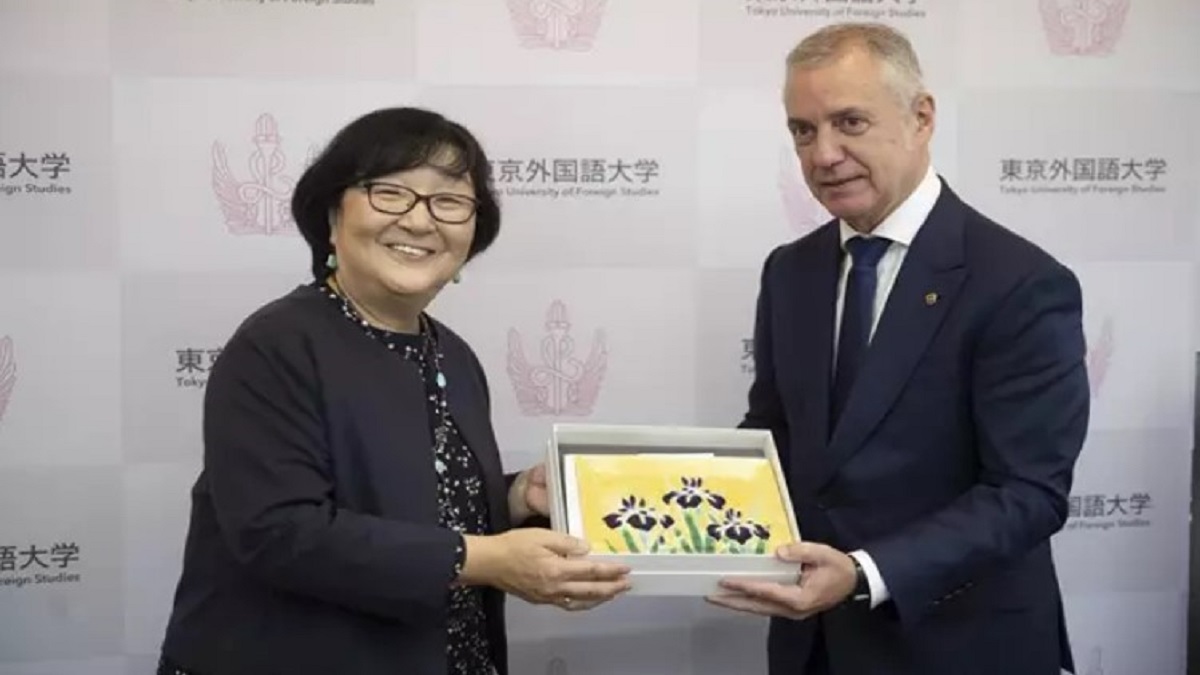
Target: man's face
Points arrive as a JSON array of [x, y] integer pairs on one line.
[[862, 149]]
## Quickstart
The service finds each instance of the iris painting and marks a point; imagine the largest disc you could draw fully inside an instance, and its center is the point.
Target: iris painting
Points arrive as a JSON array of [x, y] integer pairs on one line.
[[724, 505]]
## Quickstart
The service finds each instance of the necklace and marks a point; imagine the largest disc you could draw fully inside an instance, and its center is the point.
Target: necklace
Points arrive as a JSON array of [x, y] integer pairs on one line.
[[428, 342], [426, 356]]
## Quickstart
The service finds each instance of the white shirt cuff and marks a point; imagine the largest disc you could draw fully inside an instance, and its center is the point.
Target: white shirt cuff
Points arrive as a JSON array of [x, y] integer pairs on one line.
[[879, 591]]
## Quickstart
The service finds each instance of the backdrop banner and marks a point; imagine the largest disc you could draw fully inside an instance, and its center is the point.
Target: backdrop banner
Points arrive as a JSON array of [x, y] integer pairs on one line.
[[148, 149]]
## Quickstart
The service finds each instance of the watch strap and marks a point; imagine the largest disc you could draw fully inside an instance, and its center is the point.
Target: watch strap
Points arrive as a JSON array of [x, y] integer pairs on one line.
[[862, 586]]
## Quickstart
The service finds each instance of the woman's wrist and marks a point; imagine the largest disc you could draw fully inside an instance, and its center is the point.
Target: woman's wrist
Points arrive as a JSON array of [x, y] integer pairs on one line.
[[481, 555]]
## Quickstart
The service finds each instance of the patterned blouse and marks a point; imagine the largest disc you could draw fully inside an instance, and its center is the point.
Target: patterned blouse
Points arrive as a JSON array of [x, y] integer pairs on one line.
[[462, 506]]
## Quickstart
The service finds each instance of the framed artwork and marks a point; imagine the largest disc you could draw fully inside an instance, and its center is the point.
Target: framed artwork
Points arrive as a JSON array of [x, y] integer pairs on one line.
[[675, 503], [683, 507]]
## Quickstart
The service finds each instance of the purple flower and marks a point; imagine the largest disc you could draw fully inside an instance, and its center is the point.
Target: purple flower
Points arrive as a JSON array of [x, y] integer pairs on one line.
[[692, 494], [636, 514], [737, 528]]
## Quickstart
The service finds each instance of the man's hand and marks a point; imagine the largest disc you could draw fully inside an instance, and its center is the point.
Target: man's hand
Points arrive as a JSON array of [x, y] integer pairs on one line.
[[826, 579]]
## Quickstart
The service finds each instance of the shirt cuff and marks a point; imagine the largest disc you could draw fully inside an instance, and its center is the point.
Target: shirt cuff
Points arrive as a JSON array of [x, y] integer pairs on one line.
[[879, 591]]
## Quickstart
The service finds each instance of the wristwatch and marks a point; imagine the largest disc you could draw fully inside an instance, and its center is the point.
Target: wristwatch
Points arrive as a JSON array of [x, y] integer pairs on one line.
[[862, 587]]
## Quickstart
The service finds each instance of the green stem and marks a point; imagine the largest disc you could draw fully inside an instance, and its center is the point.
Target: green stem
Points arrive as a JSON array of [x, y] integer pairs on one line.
[[633, 547], [697, 541]]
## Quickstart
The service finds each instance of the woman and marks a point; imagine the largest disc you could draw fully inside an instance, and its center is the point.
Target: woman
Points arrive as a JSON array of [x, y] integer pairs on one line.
[[352, 516]]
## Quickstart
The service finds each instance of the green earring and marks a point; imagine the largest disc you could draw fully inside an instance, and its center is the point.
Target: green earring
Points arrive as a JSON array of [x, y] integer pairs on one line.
[[457, 278], [331, 261]]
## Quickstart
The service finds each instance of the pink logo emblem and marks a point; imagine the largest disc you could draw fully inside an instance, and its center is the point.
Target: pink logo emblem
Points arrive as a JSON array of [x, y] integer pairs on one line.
[[8, 373], [1083, 27], [1099, 355], [804, 212], [568, 25], [260, 205], [561, 384]]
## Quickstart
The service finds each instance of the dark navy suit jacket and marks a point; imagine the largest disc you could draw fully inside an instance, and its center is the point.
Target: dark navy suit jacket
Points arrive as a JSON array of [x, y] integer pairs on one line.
[[954, 458]]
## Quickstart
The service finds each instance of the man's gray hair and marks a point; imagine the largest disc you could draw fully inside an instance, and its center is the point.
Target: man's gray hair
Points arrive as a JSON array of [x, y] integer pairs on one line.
[[885, 43]]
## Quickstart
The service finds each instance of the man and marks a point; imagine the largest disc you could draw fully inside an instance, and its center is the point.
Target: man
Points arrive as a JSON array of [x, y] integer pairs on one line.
[[922, 370]]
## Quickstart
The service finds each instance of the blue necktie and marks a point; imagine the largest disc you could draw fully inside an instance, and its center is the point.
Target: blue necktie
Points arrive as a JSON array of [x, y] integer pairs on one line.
[[857, 311]]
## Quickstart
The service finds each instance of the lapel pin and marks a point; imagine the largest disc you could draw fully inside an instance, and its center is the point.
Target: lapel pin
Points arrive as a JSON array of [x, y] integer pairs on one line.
[[931, 299]]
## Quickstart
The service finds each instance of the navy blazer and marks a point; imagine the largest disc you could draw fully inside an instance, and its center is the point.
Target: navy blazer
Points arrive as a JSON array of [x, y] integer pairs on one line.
[[314, 545], [954, 458]]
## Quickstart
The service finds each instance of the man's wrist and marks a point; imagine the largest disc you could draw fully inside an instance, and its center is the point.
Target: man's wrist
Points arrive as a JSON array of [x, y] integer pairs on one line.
[[861, 592], [876, 586]]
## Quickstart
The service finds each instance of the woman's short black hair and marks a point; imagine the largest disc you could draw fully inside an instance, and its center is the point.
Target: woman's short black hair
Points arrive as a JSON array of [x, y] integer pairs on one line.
[[380, 143]]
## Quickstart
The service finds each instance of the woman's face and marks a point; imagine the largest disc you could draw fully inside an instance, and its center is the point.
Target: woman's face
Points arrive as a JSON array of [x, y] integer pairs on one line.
[[407, 233]]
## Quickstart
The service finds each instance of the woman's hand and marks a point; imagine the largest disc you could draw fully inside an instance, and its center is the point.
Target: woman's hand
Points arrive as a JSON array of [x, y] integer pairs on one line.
[[543, 567], [528, 495]]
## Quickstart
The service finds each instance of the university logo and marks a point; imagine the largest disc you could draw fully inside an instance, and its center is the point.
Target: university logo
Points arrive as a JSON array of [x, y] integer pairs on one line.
[[566, 25], [261, 204], [1083, 27], [8, 373], [804, 212], [560, 383], [1099, 356]]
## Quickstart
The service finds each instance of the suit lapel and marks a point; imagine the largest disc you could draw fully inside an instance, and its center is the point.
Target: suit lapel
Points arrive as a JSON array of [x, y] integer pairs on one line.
[[925, 290], [814, 294]]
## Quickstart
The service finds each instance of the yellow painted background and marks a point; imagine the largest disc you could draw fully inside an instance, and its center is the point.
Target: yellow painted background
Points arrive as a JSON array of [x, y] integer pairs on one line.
[[747, 484]]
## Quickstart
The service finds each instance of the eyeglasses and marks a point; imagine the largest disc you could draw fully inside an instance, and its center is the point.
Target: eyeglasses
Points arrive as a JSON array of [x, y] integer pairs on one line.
[[397, 200]]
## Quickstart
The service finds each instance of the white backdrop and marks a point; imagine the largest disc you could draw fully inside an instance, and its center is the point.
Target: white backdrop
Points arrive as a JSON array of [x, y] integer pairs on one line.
[[646, 174]]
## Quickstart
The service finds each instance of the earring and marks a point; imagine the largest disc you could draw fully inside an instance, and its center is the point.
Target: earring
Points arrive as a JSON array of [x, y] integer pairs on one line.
[[331, 261], [457, 278]]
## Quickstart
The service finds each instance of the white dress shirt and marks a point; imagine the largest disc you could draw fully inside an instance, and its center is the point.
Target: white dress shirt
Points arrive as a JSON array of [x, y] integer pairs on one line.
[[901, 227]]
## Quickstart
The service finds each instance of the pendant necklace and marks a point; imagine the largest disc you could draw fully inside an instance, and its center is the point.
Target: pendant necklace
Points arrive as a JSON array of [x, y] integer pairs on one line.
[[426, 330]]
